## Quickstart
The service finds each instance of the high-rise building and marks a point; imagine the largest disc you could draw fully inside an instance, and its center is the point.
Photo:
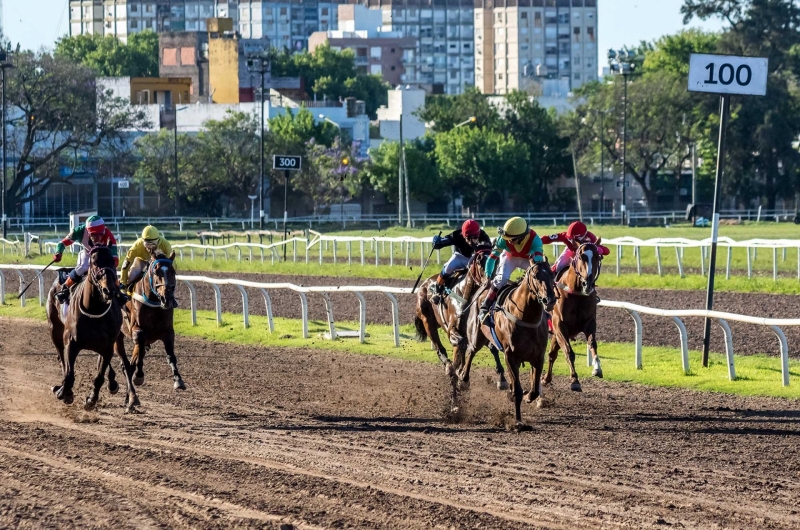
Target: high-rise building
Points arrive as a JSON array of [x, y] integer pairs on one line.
[[444, 61], [286, 23], [539, 46], [121, 18]]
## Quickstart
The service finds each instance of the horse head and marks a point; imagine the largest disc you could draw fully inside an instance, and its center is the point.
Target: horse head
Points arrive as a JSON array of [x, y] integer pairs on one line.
[[102, 272], [161, 278], [540, 282], [587, 266]]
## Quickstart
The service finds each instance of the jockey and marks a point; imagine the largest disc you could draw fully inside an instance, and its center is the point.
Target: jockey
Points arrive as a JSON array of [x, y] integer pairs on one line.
[[517, 245], [150, 241], [467, 241], [91, 234], [575, 236]]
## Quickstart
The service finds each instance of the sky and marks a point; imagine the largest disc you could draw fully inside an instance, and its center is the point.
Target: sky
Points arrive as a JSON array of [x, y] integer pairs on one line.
[[38, 23]]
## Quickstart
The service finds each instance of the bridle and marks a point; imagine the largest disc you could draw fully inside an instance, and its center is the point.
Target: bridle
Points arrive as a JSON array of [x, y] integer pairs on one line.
[[151, 281], [532, 287], [95, 275], [587, 282]]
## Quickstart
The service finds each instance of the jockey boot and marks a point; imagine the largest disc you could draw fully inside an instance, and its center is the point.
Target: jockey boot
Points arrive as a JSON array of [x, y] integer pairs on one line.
[[122, 296], [488, 305], [439, 288], [63, 295]]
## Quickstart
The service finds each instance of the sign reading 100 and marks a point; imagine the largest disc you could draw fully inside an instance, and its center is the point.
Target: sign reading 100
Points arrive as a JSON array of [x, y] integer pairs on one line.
[[288, 162], [728, 74]]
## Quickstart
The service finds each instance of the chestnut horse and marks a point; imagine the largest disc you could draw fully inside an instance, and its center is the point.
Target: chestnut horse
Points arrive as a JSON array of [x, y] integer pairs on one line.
[[91, 320], [519, 329], [576, 312], [149, 315], [431, 317]]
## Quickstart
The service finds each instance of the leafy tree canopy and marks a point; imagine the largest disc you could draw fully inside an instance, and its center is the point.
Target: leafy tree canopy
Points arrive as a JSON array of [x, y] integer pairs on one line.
[[107, 56]]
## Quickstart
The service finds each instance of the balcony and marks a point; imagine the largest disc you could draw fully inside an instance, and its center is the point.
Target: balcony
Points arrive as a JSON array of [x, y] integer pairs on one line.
[[362, 59]]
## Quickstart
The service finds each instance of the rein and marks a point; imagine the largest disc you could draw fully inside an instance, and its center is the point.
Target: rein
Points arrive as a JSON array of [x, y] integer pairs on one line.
[[145, 300], [516, 320], [93, 280]]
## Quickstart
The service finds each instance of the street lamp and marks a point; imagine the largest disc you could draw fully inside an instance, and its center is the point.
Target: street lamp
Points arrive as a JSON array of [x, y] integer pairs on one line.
[[325, 118], [621, 64], [602, 159], [175, 163], [472, 119], [5, 63], [259, 64], [252, 202]]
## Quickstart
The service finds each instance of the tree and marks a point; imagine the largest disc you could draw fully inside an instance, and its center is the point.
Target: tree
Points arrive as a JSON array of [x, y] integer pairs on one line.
[[477, 161], [332, 74], [300, 127], [110, 57], [156, 168], [423, 176], [59, 115], [445, 112], [330, 173]]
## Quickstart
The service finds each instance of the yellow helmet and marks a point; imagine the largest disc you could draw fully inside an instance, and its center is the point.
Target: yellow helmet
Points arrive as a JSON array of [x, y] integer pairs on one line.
[[150, 232], [514, 228]]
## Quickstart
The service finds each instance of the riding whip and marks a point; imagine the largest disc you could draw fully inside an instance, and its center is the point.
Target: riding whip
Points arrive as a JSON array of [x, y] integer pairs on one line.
[[34, 279], [416, 284]]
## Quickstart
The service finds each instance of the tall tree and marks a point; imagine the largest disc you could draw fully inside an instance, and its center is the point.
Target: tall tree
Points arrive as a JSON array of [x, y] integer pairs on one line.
[[299, 127], [156, 170], [58, 115], [445, 112], [110, 57], [423, 176]]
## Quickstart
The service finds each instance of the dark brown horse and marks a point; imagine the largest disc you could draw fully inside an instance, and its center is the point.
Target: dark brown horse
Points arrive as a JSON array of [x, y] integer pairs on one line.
[[149, 315], [432, 317], [90, 321], [520, 330], [576, 312]]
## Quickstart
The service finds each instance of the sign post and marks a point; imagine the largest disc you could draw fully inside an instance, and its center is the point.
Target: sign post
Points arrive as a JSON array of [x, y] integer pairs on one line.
[[287, 163], [724, 75]]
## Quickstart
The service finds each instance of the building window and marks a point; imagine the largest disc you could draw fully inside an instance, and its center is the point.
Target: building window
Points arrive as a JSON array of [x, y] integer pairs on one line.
[[577, 77], [324, 11], [149, 8], [134, 8], [283, 11], [524, 15], [169, 57], [393, 68], [392, 50], [134, 24], [188, 56], [590, 32]]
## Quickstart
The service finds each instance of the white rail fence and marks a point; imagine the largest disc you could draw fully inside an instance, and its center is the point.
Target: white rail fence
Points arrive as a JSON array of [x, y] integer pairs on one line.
[[775, 324]]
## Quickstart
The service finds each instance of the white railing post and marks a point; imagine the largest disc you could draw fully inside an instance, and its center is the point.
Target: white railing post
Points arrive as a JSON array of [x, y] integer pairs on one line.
[[775, 264], [268, 309], [395, 318], [361, 244], [192, 301], [245, 306], [728, 265], [637, 337], [750, 263], [726, 330], [3, 287], [680, 265], [658, 260], [638, 252], [21, 283], [684, 344], [329, 313], [362, 317], [784, 354]]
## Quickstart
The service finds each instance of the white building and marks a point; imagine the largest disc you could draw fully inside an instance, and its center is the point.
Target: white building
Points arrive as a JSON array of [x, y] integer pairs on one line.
[[287, 24], [403, 102], [121, 18]]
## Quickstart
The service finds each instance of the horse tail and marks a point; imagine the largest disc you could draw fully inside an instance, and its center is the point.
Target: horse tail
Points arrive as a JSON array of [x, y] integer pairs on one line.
[[421, 334]]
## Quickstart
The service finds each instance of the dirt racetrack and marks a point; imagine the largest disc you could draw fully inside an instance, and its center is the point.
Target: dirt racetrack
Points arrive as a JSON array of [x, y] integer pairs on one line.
[[291, 438]]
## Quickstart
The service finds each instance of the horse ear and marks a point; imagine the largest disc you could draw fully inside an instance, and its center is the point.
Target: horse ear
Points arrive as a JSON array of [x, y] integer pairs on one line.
[[172, 256], [599, 241]]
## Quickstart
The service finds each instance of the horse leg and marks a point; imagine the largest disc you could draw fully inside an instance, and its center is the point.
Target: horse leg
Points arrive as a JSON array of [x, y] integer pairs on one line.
[[137, 357], [432, 330], [113, 386], [552, 355], [103, 361], [131, 399], [169, 345], [591, 340], [569, 353], [516, 386], [64, 392], [502, 384], [57, 336]]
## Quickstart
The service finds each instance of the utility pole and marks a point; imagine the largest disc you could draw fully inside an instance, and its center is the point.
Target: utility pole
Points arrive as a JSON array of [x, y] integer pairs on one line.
[[400, 183], [260, 64], [4, 65], [621, 63]]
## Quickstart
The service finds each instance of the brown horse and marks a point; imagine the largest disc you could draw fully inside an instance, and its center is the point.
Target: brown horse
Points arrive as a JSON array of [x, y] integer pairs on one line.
[[91, 321], [519, 330], [149, 315], [432, 317], [576, 312]]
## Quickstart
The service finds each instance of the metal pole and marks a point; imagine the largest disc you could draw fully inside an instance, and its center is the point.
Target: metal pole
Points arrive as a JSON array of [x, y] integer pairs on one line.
[[261, 187], [694, 174], [5, 143], [577, 182], [399, 176], [602, 166], [624, 149], [175, 165], [725, 107], [285, 210]]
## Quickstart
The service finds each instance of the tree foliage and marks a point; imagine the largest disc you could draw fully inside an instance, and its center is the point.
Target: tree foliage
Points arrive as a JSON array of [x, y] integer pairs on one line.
[[109, 57], [423, 176]]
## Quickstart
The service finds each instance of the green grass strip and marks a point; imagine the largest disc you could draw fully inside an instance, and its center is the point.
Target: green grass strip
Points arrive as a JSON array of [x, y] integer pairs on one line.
[[758, 375]]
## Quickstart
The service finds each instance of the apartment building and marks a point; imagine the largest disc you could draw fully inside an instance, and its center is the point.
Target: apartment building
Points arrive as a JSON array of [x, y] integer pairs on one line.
[[121, 18], [444, 59], [539, 46], [286, 23], [376, 52]]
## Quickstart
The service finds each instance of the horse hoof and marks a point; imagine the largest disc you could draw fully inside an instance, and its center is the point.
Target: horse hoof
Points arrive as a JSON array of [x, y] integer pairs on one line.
[[113, 387], [521, 426], [179, 385], [138, 380], [502, 385], [529, 397], [55, 390], [576, 387], [90, 404], [598, 373], [66, 397], [463, 384], [449, 371], [540, 404]]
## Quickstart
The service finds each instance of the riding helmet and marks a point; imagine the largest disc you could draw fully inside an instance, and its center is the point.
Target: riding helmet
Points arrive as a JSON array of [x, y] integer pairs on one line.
[[576, 230], [150, 232], [95, 225], [470, 228], [514, 228]]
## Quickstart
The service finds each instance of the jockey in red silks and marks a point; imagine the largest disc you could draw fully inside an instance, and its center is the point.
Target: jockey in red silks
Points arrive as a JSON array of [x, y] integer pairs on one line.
[[575, 236]]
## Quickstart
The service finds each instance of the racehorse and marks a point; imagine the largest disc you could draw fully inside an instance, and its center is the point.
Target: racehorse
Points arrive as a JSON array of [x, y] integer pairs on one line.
[[91, 321], [431, 317], [519, 329], [576, 312], [149, 315]]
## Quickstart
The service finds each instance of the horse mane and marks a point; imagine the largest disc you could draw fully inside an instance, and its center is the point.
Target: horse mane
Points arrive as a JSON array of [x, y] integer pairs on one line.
[[158, 254], [102, 257]]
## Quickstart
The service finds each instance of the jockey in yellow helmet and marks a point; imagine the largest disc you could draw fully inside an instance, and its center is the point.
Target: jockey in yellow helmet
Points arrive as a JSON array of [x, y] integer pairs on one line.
[[151, 240]]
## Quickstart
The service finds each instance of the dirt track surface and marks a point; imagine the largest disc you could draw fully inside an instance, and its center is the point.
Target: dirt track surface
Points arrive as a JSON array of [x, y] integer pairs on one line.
[[613, 325], [264, 438]]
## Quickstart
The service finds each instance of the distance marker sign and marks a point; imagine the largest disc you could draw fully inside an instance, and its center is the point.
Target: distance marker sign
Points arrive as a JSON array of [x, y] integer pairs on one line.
[[286, 162], [728, 74]]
